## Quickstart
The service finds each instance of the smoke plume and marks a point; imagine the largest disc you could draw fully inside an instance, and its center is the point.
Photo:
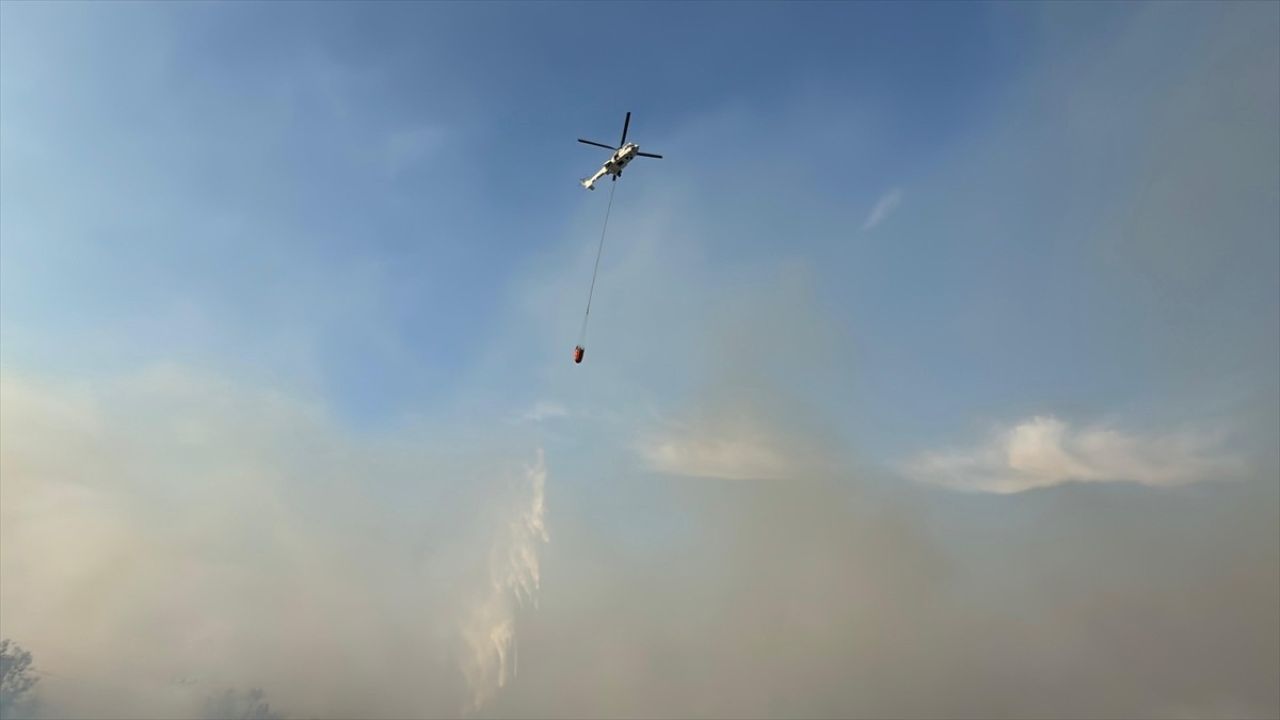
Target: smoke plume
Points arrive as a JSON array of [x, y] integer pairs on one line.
[[490, 631]]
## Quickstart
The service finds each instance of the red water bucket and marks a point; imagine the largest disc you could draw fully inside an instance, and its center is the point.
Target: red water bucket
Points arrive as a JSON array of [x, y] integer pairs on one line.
[[578, 352]]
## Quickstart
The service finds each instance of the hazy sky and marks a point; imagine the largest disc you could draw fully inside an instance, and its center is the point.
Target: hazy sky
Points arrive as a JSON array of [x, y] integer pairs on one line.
[[934, 371]]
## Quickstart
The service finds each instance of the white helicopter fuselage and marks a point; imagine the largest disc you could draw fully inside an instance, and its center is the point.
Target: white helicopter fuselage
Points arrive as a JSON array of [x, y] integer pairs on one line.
[[614, 165]]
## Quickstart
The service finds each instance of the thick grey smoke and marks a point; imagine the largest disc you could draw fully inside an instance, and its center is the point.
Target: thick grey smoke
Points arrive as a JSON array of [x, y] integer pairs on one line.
[[818, 593], [170, 534], [762, 572]]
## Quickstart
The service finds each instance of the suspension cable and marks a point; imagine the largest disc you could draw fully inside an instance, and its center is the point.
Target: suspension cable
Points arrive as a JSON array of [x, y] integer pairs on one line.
[[582, 336]]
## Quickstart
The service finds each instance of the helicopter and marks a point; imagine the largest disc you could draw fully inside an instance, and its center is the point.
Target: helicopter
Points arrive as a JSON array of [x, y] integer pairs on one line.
[[623, 154]]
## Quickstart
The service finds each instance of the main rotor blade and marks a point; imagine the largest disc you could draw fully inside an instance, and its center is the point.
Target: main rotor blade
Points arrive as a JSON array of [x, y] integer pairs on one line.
[[592, 142], [625, 124], [649, 155]]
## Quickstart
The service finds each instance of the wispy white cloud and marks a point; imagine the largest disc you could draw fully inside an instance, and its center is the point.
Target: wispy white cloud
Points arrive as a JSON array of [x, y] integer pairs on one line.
[[1044, 451], [883, 208], [544, 410], [730, 458], [737, 445]]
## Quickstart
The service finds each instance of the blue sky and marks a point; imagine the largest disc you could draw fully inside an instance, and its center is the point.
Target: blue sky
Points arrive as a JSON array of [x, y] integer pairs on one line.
[[425, 150], [199, 180], [981, 249]]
